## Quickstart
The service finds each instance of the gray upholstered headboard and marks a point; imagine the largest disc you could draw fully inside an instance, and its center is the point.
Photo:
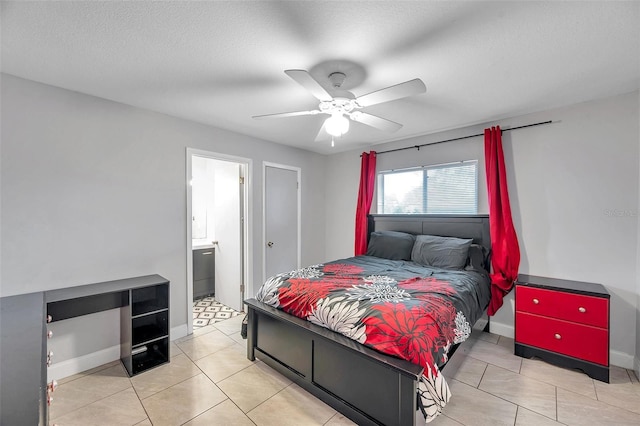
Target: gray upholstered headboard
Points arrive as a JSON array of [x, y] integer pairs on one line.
[[460, 226]]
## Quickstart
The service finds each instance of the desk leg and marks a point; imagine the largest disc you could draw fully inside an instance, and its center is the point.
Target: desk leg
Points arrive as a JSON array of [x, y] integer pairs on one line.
[[252, 330]]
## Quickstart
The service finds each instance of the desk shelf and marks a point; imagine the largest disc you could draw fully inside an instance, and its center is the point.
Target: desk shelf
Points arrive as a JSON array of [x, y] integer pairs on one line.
[[144, 325], [149, 299], [149, 327], [153, 354]]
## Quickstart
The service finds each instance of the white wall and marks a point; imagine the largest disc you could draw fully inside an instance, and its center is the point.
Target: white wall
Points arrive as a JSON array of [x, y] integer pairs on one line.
[[342, 181], [636, 364], [94, 190], [568, 183], [637, 357]]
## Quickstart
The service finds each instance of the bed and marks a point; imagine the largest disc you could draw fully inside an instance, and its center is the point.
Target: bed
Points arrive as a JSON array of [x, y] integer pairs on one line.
[[336, 329]]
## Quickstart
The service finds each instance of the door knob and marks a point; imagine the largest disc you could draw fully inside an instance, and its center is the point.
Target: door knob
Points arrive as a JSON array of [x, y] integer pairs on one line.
[[269, 244]]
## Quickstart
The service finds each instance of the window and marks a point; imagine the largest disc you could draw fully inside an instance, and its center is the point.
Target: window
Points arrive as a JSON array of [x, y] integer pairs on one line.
[[442, 189]]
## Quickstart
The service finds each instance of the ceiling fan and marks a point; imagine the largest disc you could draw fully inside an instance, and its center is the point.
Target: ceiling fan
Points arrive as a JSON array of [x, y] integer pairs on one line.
[[343, 105]]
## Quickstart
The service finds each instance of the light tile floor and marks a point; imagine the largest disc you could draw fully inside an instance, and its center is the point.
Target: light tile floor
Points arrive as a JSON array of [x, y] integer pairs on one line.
[[209, 381]]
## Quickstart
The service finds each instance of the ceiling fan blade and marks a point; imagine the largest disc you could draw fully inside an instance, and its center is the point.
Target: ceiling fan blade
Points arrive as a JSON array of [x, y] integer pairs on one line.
[[391, 93], [305, 79], [286, 114], [375, 121]]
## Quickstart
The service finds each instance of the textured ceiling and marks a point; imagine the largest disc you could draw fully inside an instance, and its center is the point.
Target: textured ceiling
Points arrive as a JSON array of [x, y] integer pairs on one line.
[[220, 63]]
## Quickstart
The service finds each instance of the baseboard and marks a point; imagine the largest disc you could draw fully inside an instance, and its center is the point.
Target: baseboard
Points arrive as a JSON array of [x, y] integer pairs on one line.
[[621, 359], [501, 329], [62, 369], [636, 367], [617, 358], [178, 332]]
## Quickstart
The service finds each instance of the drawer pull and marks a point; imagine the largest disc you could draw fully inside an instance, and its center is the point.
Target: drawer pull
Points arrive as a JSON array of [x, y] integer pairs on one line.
[[536, 301], [207, 252], [581, 309], [557, 336]]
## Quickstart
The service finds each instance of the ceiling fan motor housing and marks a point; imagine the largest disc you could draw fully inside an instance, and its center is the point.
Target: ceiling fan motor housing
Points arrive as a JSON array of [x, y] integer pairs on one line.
[[337, 78]]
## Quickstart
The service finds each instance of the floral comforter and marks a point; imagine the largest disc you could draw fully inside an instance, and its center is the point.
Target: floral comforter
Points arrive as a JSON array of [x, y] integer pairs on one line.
[[399, 308]]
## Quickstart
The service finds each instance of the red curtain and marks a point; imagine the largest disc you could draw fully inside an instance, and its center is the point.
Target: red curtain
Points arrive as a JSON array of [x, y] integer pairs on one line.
[[365, 196], [505, 253]]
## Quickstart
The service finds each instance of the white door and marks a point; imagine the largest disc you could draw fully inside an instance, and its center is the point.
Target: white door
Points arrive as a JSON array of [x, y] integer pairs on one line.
[[281, 220], [227, 220]]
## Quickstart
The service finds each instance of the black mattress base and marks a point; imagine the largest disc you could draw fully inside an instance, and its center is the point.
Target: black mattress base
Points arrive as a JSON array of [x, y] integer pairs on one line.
[[324, 395], [368, 387]]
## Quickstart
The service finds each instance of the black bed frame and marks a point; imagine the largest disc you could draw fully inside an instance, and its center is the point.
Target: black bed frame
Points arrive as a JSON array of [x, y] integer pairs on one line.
[[367, 386]]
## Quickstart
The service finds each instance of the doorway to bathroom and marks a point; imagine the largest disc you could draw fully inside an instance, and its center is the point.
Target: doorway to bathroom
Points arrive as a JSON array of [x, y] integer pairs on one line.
[[217, 234]]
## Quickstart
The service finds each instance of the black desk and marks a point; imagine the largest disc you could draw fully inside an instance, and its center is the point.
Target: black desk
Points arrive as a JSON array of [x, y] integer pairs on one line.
[[144, 330]]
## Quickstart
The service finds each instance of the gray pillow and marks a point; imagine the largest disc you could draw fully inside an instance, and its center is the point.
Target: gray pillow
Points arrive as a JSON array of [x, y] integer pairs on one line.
[[477, 258], [391, 245], [441, 252]]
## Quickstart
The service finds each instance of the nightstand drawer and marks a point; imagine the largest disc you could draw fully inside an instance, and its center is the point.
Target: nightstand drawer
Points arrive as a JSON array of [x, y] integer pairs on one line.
[[579, 341], [578, 308]]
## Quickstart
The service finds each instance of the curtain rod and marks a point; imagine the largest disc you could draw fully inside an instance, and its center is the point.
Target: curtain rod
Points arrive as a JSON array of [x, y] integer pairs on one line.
[[460, 138]]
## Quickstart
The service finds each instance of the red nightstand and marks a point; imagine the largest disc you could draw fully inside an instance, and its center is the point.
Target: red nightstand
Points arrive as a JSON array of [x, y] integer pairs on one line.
[[564, 322]]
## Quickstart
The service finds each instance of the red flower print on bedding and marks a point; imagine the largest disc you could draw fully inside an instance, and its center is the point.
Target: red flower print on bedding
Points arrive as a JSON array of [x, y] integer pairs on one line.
[[342, 269], [429, 284], [413, 333], [338, 283], [301, 296], [443, 313], [403, 332]]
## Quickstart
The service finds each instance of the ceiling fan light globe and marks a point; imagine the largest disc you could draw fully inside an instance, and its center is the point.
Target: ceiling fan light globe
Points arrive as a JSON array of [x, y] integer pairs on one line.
[[337, 125]]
